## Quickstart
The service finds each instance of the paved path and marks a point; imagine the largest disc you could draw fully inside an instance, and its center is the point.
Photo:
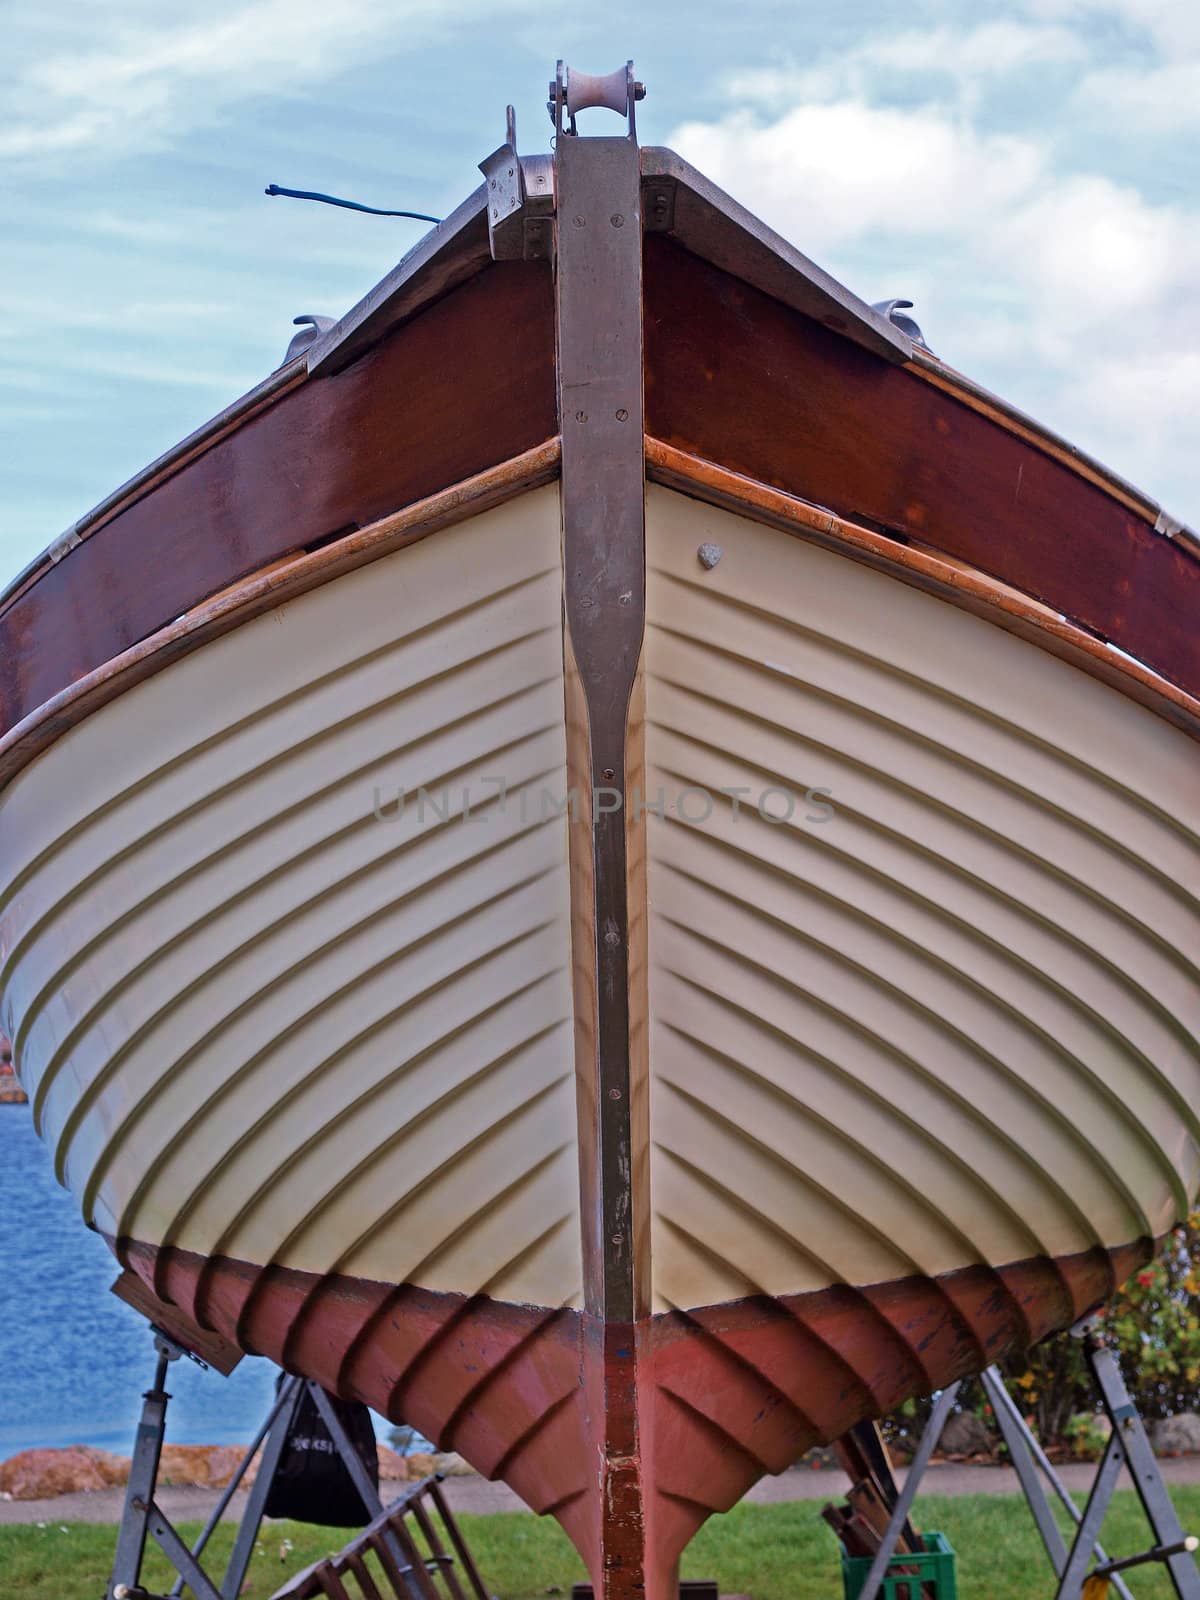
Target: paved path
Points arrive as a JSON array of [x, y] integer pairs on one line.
[[477, 1494]]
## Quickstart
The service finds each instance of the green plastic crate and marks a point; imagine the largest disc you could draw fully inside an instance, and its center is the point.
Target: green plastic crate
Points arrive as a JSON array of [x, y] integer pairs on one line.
[[934, 1566]]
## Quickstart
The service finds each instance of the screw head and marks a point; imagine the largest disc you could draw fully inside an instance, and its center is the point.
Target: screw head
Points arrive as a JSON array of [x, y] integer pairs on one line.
[[622, 415], [617, 220], [579, 222]]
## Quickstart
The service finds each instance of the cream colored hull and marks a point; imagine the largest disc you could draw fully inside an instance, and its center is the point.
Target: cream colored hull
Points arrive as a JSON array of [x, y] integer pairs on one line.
[[944, 1015], [949, 1011], [259, 1020]]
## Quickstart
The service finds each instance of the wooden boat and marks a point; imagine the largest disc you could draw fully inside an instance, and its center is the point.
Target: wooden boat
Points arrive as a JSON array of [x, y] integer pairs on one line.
[[775, 992]]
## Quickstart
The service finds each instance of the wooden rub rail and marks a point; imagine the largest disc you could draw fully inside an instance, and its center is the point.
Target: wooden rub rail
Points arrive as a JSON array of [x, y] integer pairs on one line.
[[406, 1553]]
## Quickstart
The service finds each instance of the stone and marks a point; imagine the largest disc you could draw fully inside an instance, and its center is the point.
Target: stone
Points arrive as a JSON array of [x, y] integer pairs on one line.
[[392, 1465], [11, 1092], [965, 1434], [420, 1464], [451, 1465], [1176, 1436], [204, 1466], [42, 1474]]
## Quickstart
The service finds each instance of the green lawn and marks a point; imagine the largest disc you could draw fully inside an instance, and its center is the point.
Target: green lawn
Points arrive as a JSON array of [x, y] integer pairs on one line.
[[768, 1552]]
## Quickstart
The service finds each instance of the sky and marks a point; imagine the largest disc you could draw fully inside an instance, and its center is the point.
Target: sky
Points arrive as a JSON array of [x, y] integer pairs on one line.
[[1026, 172]]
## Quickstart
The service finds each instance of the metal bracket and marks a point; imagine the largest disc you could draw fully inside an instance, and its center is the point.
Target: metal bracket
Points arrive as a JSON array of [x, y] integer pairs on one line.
[[658, 205], [520, 200], [311, 326], [1171, 528], [894, 312], [64, 544], [572, 92]]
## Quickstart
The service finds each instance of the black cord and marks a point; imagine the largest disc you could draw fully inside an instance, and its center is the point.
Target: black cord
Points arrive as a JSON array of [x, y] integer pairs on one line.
[[350, 205]]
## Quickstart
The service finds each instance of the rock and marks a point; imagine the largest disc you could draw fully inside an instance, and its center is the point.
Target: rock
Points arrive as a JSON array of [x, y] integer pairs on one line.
[[392, 1465], [420, 1465], [965, 1434], [11, 1092], [452, 1465], [205, 1466], [224, 1460], [1176, 1436], [41, 1474]]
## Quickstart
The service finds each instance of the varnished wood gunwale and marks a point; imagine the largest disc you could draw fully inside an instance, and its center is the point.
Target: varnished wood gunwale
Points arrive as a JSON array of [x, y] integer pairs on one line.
[[955, 581], [926, 366], [283, 579], [739, 379], [447, 395], [278, 583], [226, 421]]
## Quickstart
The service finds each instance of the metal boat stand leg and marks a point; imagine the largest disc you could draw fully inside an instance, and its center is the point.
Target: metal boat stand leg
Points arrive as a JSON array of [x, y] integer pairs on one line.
[[285, 1398], [1027, 1457], [1128, 1445], [1070, 1583], [141, 1517], [275, 1432], [272, 1436], [942, 1408], [362, 1482]]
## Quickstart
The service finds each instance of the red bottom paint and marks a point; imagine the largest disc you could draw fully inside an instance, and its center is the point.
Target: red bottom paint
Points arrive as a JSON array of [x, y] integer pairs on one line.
[[633, 1436]]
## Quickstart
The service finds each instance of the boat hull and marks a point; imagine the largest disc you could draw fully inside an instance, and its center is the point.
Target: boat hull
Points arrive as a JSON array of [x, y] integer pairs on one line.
[[726, 1393], [631, 977], [289, 945]]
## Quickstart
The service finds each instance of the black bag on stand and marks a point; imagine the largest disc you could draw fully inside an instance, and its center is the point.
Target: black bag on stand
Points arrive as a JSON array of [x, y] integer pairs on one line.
[[312, 1482]]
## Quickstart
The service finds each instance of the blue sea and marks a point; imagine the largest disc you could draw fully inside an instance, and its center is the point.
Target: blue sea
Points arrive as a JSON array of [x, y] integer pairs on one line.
[[74, 1360]]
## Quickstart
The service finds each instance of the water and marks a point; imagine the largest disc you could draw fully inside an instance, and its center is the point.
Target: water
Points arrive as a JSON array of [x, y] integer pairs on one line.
[[74, 1359]]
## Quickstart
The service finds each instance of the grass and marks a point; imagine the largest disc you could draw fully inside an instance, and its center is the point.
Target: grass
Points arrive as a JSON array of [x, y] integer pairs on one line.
[[781, 1552]]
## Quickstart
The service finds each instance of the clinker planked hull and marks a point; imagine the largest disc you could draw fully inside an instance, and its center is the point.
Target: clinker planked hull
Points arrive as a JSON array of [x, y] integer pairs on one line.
[[631, 977]]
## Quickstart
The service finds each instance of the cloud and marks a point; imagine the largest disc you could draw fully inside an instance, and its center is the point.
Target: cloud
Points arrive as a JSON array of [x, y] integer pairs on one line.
[[1166, 25], [965, 57], [845, 167], [1161, 100], [1153, 84], [134, 83], [1067, 291]]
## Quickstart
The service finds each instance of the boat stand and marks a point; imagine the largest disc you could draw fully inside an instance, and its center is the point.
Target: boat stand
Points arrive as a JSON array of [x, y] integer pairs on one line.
[[1128, 1446], [142, 1517]]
